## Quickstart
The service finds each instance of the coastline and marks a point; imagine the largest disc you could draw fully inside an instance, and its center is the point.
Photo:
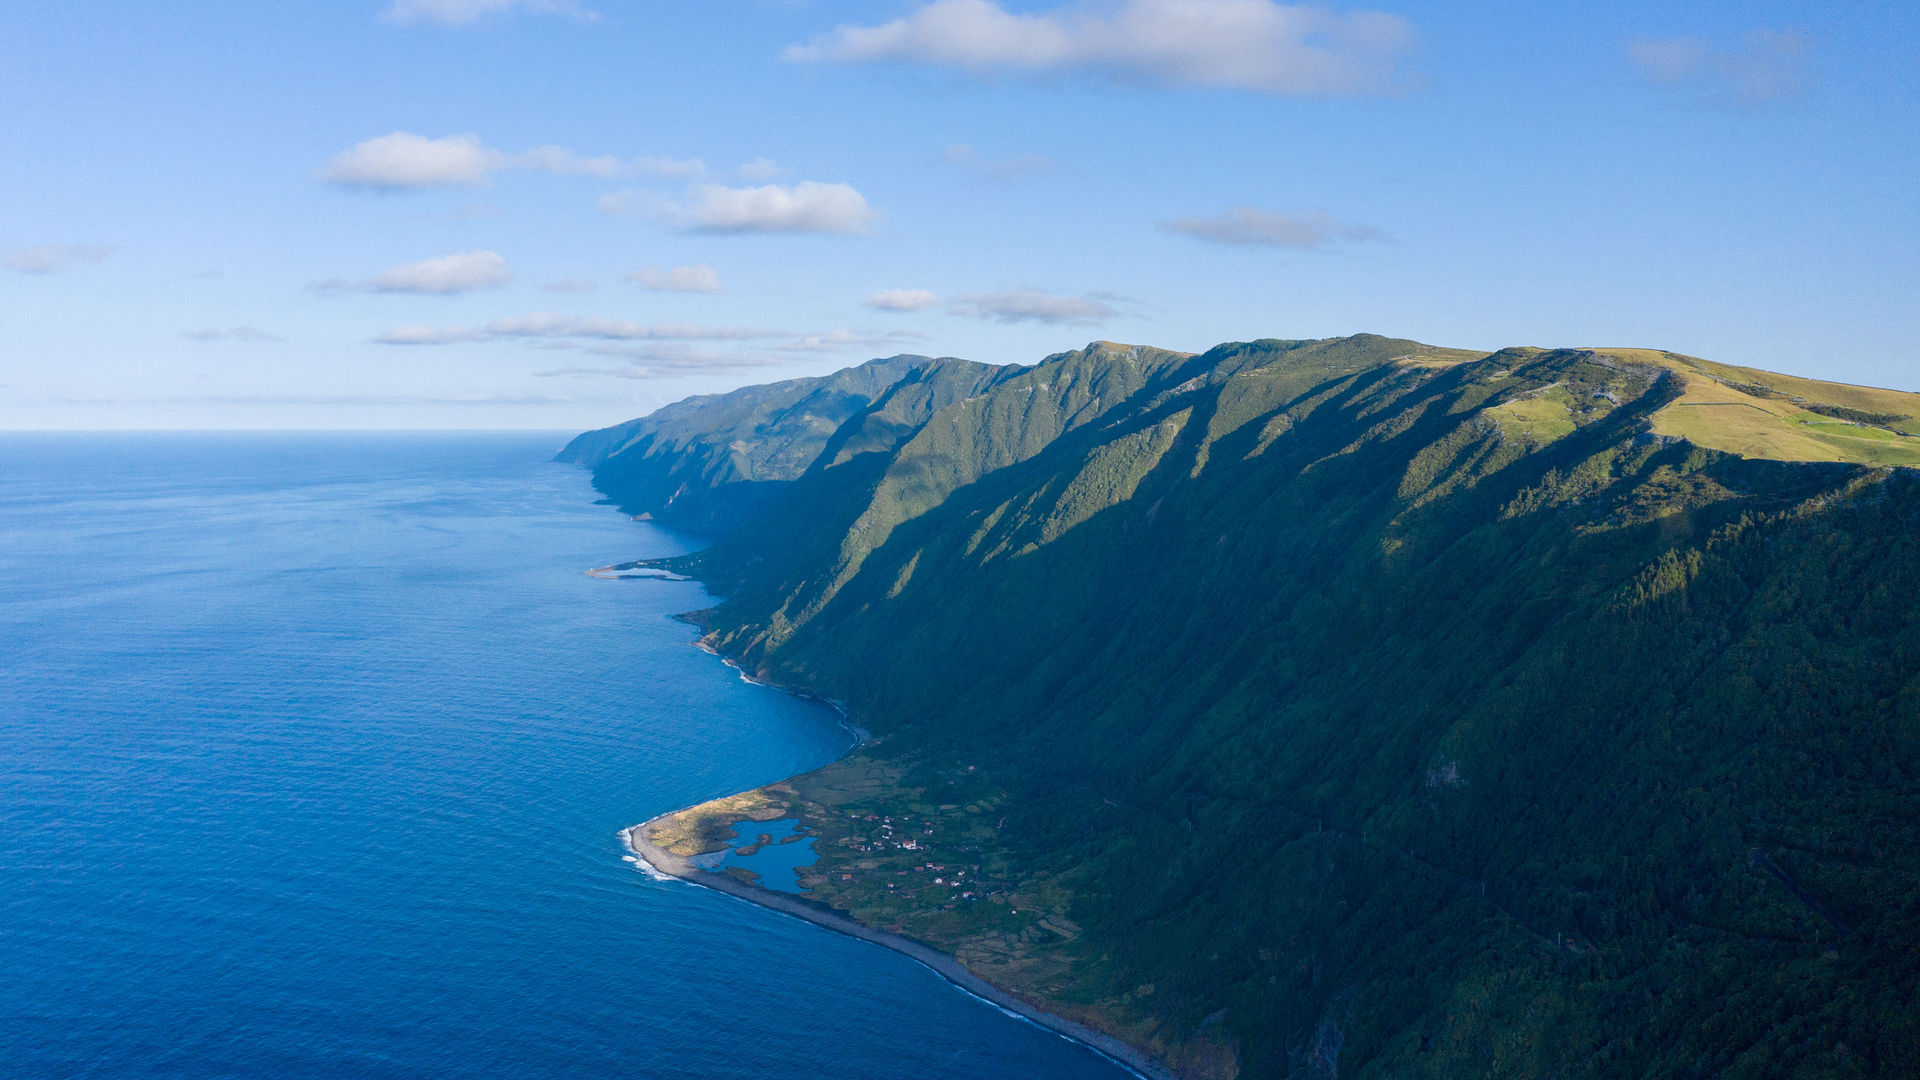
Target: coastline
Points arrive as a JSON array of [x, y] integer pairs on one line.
[[666, 864], [677, 866]]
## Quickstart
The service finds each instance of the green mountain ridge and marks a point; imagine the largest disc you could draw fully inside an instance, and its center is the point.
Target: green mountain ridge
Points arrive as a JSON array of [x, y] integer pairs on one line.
[[1357, 707]]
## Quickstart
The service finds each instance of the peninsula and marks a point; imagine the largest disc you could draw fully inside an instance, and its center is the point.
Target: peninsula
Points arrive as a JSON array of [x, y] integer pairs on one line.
[[681, 866]]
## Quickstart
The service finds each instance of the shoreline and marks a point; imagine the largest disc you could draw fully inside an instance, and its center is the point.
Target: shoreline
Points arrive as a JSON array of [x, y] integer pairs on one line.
[[666, 864], [947, 967], [860, 734]]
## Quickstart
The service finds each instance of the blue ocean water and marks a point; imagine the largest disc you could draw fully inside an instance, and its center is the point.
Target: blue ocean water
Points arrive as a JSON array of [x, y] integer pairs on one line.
[[314, 750]]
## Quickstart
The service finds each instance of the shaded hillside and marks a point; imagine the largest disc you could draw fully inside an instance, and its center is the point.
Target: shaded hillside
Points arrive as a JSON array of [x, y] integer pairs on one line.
[[707, 463], [1354, 707]]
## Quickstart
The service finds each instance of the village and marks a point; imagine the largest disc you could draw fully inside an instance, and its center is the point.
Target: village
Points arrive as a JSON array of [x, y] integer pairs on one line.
[[881, 835], [931, 858]]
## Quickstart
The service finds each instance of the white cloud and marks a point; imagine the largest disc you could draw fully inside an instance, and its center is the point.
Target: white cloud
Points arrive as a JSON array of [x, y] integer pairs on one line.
[[403, 161], [47, 258], [565, 329], [843, 340], [417, 334], [467, 12], [670, 168], [542, 324], [963, 156], [1032, 305], [680, 356], [370, 399], [636, 203], [430, 335], [902, 300], [653, 359], [562, 162], [659, 361], [649, 347], [251, 334], [1239, 44], [699, 279], [804, 207], [445, 275], [1766, 65], [761, 170], [1246, 225]]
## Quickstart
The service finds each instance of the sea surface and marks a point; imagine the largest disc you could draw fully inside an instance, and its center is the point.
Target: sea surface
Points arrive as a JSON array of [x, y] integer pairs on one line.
[[314, 752]]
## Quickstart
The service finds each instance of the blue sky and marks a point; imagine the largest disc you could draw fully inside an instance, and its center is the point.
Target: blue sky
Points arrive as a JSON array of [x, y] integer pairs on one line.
[[549, 214]]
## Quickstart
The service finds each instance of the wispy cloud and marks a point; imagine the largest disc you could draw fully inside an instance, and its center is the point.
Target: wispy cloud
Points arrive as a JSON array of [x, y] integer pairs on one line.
[[761, 170], [543, 324], [693, 279], [1766, 65], [418, 334], [251, 334], [652, 360], [316, 399], [445, 275], [404, 161], [630, 203], [547, 325], [372, 399], [1033, 305], [844, 340], [805, 207], [1237, 44], [670, 168], [902, 300], [48, 258], [468, 12], [563, 162], [963, 156], [647, 350], [1250, 226], [662, 360]]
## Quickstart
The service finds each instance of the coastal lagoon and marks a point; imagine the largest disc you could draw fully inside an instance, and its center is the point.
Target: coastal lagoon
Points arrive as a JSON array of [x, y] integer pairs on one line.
[[772, 854], [314, 755]]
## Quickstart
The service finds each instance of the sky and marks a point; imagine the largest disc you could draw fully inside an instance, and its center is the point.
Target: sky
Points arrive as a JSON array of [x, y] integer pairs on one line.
[[559, 214]]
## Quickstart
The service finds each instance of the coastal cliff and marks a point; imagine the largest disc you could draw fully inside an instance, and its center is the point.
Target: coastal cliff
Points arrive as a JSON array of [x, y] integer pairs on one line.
[[1347, 707]]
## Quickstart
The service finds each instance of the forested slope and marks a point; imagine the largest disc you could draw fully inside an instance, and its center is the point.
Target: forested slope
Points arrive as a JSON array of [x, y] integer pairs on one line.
[[1371, 709], [708, 463]]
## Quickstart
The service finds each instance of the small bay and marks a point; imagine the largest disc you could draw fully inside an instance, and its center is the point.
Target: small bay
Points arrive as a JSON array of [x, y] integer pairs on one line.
[[314, 753]]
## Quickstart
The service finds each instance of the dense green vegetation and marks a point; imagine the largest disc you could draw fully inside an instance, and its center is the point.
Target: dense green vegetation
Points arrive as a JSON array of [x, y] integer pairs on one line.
[[1369, 709], [707, 463]]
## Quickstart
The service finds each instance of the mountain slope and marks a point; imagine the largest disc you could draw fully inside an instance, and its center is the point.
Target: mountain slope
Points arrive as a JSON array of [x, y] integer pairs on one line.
[[707, 463], [1355, 707]]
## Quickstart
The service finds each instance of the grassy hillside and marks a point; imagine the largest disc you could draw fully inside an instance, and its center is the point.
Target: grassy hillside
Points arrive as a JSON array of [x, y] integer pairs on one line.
[[1760, 414], [1360, 708]]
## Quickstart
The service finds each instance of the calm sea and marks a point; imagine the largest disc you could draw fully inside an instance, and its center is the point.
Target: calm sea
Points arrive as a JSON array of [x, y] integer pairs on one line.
[[313, 754]]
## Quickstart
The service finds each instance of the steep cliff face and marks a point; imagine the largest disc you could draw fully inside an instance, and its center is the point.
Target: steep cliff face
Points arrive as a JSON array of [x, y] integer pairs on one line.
[[1375, 709], [709, 463]]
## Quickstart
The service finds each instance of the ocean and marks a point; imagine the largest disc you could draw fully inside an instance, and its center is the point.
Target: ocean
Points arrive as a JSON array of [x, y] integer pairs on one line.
[[314, 753]]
